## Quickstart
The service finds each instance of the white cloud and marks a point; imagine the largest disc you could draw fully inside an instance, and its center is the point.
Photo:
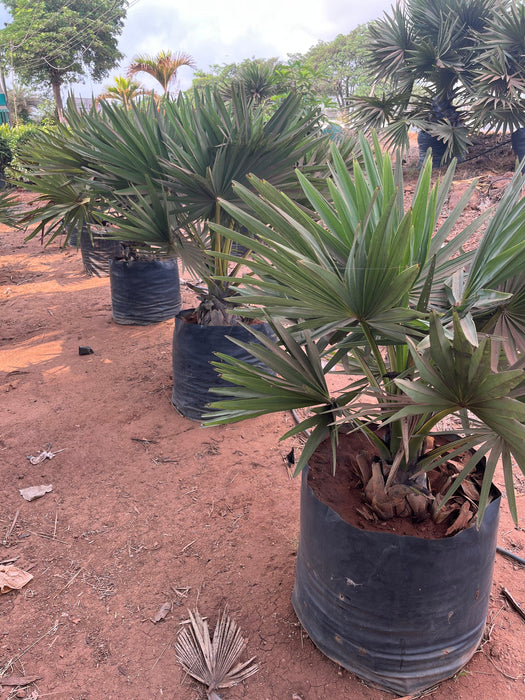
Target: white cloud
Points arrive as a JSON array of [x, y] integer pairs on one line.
[[223, 31]]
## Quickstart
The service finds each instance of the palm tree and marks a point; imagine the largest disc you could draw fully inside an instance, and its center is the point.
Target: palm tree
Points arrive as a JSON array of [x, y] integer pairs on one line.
[[259, 79], [124, 90], [163, 67], [428, 54]]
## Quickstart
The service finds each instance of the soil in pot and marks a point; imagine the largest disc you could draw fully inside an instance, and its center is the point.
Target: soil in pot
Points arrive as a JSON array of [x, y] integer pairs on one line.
[[344, 492], [402, 611]]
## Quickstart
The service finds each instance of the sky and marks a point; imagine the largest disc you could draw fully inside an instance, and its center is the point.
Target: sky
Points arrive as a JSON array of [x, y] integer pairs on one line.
[[224, 31]]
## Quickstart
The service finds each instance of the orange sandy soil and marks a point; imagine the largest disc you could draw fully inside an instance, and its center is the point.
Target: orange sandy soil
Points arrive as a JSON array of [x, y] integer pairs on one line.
[[148, 508]]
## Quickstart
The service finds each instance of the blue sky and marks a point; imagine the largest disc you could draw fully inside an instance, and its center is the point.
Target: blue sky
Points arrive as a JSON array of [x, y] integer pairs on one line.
[[223, 31]]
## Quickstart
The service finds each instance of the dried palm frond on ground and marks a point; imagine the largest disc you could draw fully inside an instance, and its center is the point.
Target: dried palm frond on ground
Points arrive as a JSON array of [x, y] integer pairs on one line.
[[212, 662]]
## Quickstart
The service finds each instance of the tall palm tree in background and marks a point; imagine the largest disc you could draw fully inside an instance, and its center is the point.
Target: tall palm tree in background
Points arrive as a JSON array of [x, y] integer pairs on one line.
[[124, 90], [163, 67], [428, 54]]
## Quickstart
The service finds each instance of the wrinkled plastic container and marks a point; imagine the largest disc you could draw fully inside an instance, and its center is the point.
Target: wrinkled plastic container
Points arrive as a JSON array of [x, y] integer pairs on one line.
[[426, 141], [97, 250], [517, 139], [144, 291], [194, 348], [401, 612]]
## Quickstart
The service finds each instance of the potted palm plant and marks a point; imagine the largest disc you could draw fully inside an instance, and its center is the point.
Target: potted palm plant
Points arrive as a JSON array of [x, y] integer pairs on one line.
[[405, 349]]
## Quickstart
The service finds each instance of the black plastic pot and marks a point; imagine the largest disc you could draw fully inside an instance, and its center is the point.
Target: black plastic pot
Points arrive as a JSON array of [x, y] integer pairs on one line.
[[426, 141], [194, 347], [144, 291], [517, 139], [97, 250], [401, 612]]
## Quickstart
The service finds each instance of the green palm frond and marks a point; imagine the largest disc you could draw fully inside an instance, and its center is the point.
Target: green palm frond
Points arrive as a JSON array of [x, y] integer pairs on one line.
[[455, 375], [289, 376], [163, 67], [453, 135], [374, 112], [501, 252], [8, 204], [123, 90], [391, 39], [217, 142]]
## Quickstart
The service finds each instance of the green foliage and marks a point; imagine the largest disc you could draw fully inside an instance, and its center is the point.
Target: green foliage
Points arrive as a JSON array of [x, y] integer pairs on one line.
[[267, 81], [302, 77], [6, 155], [51, 42], [18, 138], [355, 282], [122, 90], [163, 67], [340, 65], [218, 76]]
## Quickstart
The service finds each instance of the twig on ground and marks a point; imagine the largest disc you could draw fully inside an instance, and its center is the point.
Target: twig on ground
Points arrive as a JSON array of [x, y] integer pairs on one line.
[[9, 664], [48, 537], [161, 655], [81, 568], [514, 603], [69, 582], [11, 560], [145, 441], [11, 528]]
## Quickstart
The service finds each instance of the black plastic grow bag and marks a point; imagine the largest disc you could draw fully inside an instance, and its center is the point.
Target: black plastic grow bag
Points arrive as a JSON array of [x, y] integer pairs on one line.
[[194, 347], [517, 139], [97, 250], [401, 612], [144, 291], [426, 141]]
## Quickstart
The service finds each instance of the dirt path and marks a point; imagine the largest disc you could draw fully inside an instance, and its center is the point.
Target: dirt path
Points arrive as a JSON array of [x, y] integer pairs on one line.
[[147, 508]]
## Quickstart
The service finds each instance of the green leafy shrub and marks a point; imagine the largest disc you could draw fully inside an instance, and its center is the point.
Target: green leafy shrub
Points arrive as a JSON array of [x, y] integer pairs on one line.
[[15, 138], [6, 154]]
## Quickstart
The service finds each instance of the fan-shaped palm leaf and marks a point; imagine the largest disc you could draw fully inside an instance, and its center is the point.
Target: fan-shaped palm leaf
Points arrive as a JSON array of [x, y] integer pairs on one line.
[[213, 661]]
